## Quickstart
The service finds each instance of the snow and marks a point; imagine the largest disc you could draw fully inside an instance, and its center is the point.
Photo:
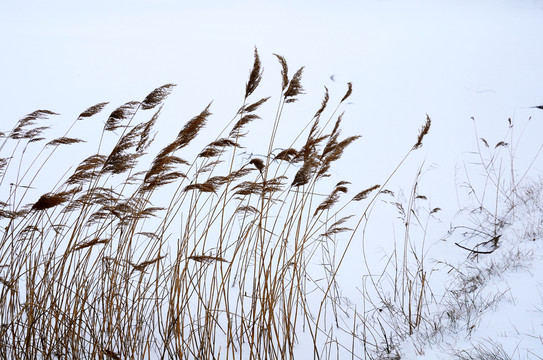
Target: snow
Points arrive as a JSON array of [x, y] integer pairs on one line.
[[506, 316]]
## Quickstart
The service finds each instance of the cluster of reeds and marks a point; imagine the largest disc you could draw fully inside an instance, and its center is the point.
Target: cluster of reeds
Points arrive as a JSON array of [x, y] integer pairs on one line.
[[417, 294], [224, 267], [495, 233]]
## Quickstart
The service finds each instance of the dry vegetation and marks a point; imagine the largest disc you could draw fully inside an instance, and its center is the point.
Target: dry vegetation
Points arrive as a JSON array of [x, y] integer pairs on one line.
[[238, 262]]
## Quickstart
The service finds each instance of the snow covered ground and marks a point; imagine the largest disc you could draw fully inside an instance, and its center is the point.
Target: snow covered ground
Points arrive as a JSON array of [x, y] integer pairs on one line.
[[493, 308]]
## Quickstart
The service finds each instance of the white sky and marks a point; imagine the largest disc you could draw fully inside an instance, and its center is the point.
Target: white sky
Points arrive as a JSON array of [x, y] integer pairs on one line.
[[450, 59]]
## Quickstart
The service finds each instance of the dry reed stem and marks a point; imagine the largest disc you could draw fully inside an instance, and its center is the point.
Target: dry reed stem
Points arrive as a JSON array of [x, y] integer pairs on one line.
[[102, 278]]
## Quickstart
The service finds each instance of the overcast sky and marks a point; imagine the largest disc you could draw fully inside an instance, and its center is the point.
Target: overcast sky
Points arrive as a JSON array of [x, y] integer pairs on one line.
[[449, 59]]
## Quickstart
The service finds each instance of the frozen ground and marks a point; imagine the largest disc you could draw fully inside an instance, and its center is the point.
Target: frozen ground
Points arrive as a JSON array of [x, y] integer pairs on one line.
[[496, 312]]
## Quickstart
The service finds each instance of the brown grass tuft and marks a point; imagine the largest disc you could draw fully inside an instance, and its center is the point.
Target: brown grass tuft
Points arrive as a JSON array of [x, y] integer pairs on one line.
[[258, 163], [254, 77], [423, 131], [287, 155], [324, 103], [191, 129], [154, 182], [160, 172], [156, 96], [207, 258], [123, 112], [120, 159], [29, 120], [10, 214], [303, 176], [334, 149], [235, 132], [248, 188], [93, 110], [364, 193], [211, 152], [234, 175], [90, 243], [333, 197], [64, 141], [254, 106], [21, 133], [224, 143], [217, 147], [284, 71], [335, 228], [273, 185], [86, 169], [247, 209], [145, 138], [349, 92], [47, 201], [203, 187], [295, 86], [143, 265]]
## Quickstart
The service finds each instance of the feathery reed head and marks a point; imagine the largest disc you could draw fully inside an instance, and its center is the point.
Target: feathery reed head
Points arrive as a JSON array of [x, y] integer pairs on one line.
[[258, 163], [423, 131], [64, 141], [364, 193], [192, 128], [156, 96], [21, 133], [303, 176], [284, 71], [223, 266], [254, 77], [203, 187], [123, 112], [121, 159], [288, 155], [87, 169], [349, 91], [47, 201], [236, 130], [253, 107], [333, 197], [295, 86], [90, 243], [93, 110], [324, 103]]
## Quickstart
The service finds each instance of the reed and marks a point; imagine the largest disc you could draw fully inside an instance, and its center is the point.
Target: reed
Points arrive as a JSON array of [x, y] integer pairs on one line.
[[225, 265]]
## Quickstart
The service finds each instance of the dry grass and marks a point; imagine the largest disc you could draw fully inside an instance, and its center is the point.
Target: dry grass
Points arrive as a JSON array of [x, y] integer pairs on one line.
[[224, 268]]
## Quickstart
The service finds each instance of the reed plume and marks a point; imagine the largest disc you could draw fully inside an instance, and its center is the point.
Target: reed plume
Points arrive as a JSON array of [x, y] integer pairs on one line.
[[254, 77], [93, 110], [156, 97], [148, 250]]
